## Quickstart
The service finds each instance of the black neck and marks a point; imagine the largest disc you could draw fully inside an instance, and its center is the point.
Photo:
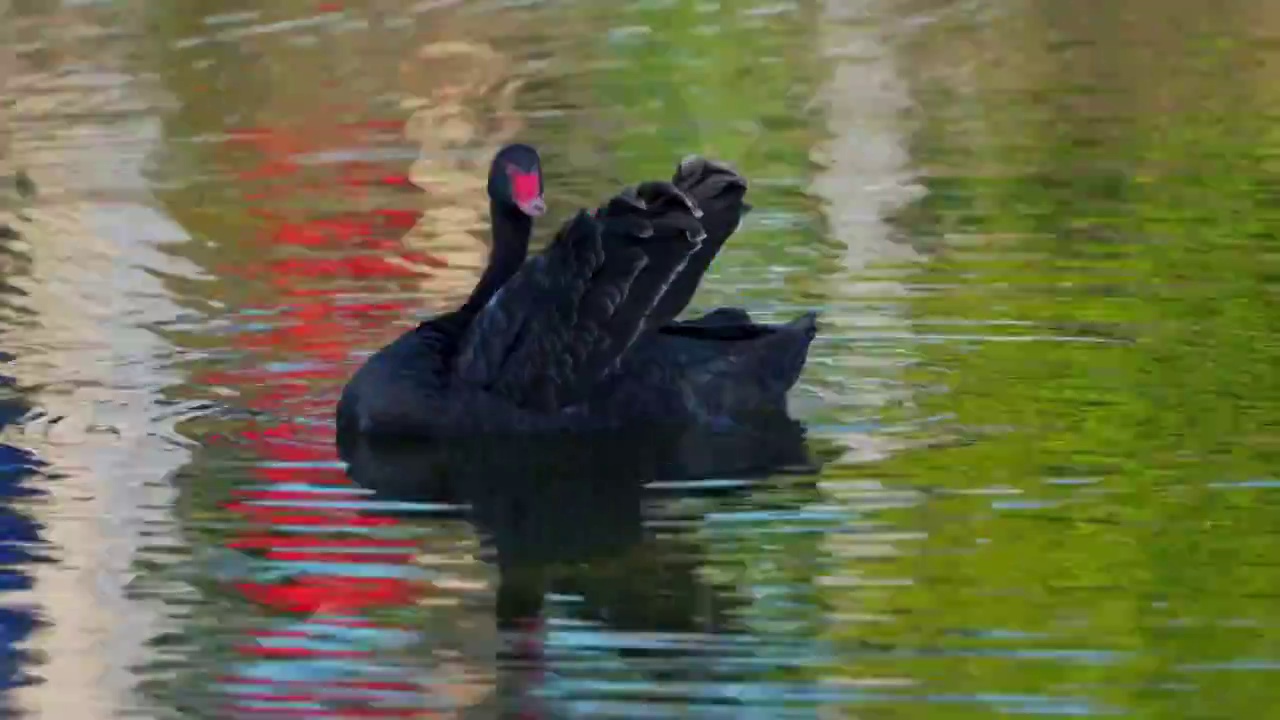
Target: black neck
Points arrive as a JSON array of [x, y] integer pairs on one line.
[[511, 232]]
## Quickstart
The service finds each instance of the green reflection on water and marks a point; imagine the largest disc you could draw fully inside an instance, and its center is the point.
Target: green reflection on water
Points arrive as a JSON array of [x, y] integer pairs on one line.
[[1105, 231]]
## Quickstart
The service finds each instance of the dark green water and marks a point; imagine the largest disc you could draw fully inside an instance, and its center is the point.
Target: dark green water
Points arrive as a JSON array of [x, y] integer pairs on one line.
[[1043, 236]]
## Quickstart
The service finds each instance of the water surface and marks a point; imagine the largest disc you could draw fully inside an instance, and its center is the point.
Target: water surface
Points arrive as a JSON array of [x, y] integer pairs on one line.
[[1042, 236]]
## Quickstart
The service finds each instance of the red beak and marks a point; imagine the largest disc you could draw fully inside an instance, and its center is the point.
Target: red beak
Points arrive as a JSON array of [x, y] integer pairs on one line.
[[526, 190]]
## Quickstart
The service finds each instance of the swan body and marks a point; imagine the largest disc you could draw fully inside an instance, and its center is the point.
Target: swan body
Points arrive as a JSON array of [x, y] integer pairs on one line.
[[583, 336]]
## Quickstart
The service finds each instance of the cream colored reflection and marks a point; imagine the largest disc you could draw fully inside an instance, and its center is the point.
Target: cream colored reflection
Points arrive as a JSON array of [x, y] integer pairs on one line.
[[866, 177], [462, 97], [81, 127]]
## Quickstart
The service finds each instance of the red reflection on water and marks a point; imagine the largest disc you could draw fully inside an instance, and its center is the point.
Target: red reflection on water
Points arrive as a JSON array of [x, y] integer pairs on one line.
[[335, 593], [315, 526]]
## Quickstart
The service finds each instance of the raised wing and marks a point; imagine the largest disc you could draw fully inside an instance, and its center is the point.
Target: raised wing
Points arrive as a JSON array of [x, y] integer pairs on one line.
[[562, 323], [719, 192]]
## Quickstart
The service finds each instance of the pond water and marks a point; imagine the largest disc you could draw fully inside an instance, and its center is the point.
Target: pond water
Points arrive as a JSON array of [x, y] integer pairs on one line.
[[1045, 397]]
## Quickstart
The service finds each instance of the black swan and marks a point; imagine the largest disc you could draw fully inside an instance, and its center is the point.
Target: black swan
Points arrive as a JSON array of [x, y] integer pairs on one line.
[[583, 336]]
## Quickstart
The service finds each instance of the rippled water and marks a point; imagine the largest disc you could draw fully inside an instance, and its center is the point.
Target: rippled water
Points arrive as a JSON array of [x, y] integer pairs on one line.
[[1045, 398]]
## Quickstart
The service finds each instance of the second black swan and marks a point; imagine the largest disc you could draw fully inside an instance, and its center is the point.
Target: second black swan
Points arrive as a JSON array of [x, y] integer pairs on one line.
[[583, 335]]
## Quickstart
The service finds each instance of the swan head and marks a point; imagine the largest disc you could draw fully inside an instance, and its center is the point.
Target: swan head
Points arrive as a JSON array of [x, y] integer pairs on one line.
[[515, 179]]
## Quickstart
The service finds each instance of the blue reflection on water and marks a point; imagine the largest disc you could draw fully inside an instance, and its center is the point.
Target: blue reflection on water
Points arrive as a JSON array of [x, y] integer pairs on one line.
[[19, 535]]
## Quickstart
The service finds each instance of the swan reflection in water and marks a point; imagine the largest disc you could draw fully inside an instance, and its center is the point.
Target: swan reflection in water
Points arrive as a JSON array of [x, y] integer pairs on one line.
[[571, 514]]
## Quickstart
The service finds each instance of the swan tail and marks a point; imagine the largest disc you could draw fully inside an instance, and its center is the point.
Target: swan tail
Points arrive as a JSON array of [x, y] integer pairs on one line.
[[763, 370]]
